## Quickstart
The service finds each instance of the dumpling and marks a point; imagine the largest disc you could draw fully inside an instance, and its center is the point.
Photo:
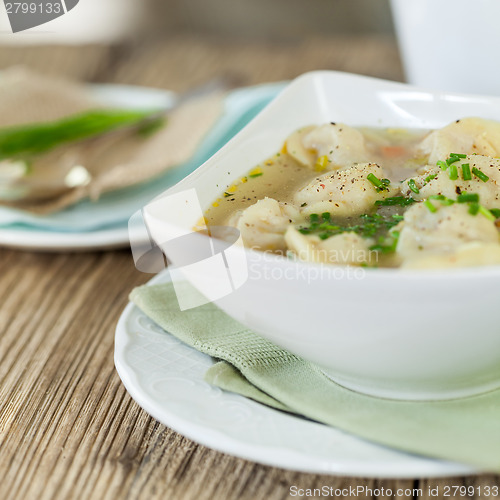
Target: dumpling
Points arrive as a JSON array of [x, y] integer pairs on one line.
[[467, 255], [466, 136], [262, 225], [342, 249], [489, 191], [344, 192], [449, 235], [336, 144]]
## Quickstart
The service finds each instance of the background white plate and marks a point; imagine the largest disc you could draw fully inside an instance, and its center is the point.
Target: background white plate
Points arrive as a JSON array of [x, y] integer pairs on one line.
[[165, 377]]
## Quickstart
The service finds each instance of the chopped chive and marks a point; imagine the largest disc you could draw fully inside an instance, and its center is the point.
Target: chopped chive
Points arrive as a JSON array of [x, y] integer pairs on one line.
[[474, 208], [442, 165], [256, 172], [326, 216], [380, 184], [495, 212], [452, 159], [430, 206], [429, 178], [413, 186], [447, 202], [374, 180], [395, 200], [458, 155], [453, 173], [328, 227], [484, 211], [440, 197], [466, 175], [370, 226], [468, 198], [383, 248], [480, 174]]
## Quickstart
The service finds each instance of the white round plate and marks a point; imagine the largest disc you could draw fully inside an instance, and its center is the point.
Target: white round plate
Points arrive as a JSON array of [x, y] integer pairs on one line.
[[115, 237], [165, 377], [108, 238]]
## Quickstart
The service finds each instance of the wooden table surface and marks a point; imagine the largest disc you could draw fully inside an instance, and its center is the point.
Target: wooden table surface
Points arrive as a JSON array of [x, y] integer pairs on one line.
[[68, 428]]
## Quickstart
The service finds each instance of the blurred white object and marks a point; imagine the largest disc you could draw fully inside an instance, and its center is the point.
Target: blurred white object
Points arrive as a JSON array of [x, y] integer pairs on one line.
[[91, 21], [450, 44]]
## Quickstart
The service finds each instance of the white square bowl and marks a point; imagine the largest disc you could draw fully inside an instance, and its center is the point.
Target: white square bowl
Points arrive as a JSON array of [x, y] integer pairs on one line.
[[390, 333]]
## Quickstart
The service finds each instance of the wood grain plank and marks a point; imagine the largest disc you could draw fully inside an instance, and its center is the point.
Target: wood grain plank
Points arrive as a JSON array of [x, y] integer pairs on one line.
[[73, 430], [78, 62], [181, 62]]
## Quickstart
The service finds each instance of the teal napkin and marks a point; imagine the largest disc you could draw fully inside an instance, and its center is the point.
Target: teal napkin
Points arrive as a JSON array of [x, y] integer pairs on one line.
[[465, 430]]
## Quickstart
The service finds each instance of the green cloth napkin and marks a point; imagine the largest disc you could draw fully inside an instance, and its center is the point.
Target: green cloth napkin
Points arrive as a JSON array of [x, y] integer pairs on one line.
[[465, 430]]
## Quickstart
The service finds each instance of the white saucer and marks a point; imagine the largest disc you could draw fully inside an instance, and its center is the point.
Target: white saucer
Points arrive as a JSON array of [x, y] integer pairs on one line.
[[39, 240], [165, 377]]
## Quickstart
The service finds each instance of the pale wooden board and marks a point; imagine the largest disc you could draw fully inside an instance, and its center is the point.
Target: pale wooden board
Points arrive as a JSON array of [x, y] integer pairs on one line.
[[68, 429], [79, 62], [180, 62]]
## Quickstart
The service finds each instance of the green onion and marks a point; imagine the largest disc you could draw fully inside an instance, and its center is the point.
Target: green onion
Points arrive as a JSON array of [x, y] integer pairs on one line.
[[453, 173], [442, 199], [369, 226], [413, 186], [484, 211], [480, 174], [451, 160], [458, 155], [466, 175], [495, 212], [37, 138], [374, 180], [447, 202], [255, 175], [325, 216], [391, 247], [474, 208], [429, 178], [328, 227], [430, 206], [442, 165], [395, 200], [468, 198]]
